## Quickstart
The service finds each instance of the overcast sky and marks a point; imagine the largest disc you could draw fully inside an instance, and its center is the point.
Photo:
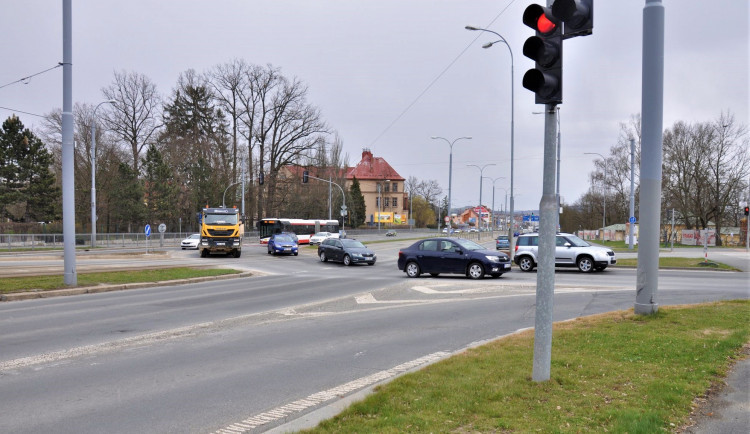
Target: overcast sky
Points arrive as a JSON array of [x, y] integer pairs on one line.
[[389, 74]]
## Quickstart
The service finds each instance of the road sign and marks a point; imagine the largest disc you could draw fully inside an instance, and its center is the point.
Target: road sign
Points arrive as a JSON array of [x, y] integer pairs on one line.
[[447, 219], [162, 228], [632, 219], [148, 230]]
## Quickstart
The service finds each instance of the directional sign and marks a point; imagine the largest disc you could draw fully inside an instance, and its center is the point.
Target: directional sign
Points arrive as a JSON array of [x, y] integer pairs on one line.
[[162, 228], [148, 230], [632, 219]]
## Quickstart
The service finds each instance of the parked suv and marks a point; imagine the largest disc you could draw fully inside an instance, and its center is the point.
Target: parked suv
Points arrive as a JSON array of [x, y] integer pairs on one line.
[[570, 251]]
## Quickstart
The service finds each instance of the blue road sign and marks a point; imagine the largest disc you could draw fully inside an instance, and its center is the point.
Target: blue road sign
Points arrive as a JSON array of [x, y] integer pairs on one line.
[[632, 219], [148, 230]]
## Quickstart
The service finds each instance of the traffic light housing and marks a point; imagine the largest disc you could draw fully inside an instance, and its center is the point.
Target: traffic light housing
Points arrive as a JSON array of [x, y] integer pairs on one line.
[[578, 16], [545, 48], [305, 175], [261, 178], [747, 210]]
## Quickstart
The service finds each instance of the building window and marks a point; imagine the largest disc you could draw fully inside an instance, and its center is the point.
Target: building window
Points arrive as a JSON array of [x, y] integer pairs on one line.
[[385, 202], [387, 187], [395, 187], [394, 201], [377, 201]]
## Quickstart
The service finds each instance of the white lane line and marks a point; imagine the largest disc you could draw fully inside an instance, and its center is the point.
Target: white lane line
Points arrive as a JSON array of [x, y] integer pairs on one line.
[[337, 392]]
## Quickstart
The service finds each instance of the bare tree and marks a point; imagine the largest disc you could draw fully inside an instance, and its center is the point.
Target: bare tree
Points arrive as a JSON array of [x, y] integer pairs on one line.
[[134, 119], [227, 81]]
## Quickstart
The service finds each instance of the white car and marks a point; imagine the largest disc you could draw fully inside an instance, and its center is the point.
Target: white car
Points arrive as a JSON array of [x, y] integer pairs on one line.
[[191, 242], [320, 236]]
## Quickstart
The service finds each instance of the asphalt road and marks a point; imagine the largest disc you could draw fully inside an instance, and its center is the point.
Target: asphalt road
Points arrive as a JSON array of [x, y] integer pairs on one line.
[[253, 353]]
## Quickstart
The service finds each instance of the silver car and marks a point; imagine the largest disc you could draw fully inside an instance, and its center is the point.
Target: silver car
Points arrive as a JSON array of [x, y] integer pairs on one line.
[[570, 251], [191, 242]]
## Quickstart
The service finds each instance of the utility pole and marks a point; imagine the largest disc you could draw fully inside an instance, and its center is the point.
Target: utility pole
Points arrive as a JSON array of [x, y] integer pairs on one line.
[[631, 230], [68, 152], [652, 109]]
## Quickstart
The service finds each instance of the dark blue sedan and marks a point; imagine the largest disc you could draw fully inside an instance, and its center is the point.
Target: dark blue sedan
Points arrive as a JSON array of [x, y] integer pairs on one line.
[[454, 256], [282, 244]]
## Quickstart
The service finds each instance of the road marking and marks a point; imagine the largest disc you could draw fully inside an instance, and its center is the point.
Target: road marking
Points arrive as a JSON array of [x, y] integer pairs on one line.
[[318, 398]]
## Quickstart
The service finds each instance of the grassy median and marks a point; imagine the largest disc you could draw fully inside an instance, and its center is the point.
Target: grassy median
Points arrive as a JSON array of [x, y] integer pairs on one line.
[[42, 283], [673, 262], [617, 372]]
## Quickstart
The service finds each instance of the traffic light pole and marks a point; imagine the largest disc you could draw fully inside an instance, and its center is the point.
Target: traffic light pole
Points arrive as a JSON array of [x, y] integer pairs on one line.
[[545, 276], [652, 110]]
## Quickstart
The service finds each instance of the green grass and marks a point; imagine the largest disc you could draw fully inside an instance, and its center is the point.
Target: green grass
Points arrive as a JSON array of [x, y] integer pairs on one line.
[[673, 262], [20, 284], [617, 372]]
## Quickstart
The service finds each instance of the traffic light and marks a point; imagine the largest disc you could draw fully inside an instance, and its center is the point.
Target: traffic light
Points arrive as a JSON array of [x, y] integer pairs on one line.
[[578, 16], [545, 80], [305, 175], [747, 210], [261, 178]]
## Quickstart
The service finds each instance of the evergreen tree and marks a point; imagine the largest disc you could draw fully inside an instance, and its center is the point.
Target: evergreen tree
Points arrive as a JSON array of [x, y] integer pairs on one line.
[[126, 202], [357, 212], [160, 188], [27, 185]]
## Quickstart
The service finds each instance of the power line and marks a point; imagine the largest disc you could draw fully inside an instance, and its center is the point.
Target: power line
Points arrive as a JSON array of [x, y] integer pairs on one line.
[[429, 86], [59, 64], [21, 111]]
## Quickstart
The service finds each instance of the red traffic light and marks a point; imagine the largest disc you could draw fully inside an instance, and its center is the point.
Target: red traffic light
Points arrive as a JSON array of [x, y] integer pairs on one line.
[[747, 210], [540, 19]]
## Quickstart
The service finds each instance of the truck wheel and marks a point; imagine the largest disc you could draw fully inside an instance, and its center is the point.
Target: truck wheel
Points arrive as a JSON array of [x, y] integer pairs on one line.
[[204, 253], [237, 253]]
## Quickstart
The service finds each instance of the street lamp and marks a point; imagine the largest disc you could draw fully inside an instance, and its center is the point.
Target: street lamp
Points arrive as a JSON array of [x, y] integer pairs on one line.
[[225, 193], [493, 199], [604, 193], [93, 171], [450, 168], [512, 111], [481, 171]]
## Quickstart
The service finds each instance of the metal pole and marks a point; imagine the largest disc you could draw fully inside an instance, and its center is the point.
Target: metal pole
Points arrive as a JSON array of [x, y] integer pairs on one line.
[[671, 245], [557, 184], [652, 109], [93, 172], [545, 276], [450, 168], [225, 194], [481, 171], [380, 202], [631, 232], [747, 220], [330, 198], [68, 152], [604, 194]]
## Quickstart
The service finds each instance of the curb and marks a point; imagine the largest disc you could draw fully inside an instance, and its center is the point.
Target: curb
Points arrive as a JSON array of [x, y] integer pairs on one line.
[[29, 295]]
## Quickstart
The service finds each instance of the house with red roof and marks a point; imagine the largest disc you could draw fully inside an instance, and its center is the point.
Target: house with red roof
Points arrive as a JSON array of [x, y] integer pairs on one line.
[[382, 188]]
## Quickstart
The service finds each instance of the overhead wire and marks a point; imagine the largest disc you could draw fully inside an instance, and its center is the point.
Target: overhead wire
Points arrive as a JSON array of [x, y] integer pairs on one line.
[[440, 75], [59, 64]]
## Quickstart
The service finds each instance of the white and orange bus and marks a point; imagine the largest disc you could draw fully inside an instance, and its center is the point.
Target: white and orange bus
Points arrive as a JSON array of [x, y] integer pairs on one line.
[[303, 228]]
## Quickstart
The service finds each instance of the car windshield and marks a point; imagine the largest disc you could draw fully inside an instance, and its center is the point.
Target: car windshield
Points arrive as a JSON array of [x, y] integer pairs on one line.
[[502, 238], [322, 234], [352, 243], [576, 242], [194, 236], [283, 239], [468, 245]]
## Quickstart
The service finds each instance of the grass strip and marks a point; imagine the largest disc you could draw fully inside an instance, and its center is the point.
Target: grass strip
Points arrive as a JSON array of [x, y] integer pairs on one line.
[[44, 283], [616, 372], [675, 262]]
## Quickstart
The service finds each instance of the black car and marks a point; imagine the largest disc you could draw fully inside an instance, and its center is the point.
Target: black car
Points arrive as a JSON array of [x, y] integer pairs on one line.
[[452, 255], [346, 250]]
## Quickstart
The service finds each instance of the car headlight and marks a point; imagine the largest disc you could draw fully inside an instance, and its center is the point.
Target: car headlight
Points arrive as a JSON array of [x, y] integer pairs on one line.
[[493, 258]]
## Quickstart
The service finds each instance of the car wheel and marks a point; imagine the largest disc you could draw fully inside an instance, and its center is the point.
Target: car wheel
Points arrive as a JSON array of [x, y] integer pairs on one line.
[[412, 269], [370, 263], [476, 270], [525, 263], [585, 264], [434, 274], [347, 260], [323, 257], [496, 275], [183, 248], [296, 253]]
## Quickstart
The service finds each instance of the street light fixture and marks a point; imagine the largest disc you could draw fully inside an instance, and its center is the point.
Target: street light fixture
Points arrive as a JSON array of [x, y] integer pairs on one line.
[[450, 169], [481, 171], [604, 193], [493, 199], [512, 114], [93, 171]]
